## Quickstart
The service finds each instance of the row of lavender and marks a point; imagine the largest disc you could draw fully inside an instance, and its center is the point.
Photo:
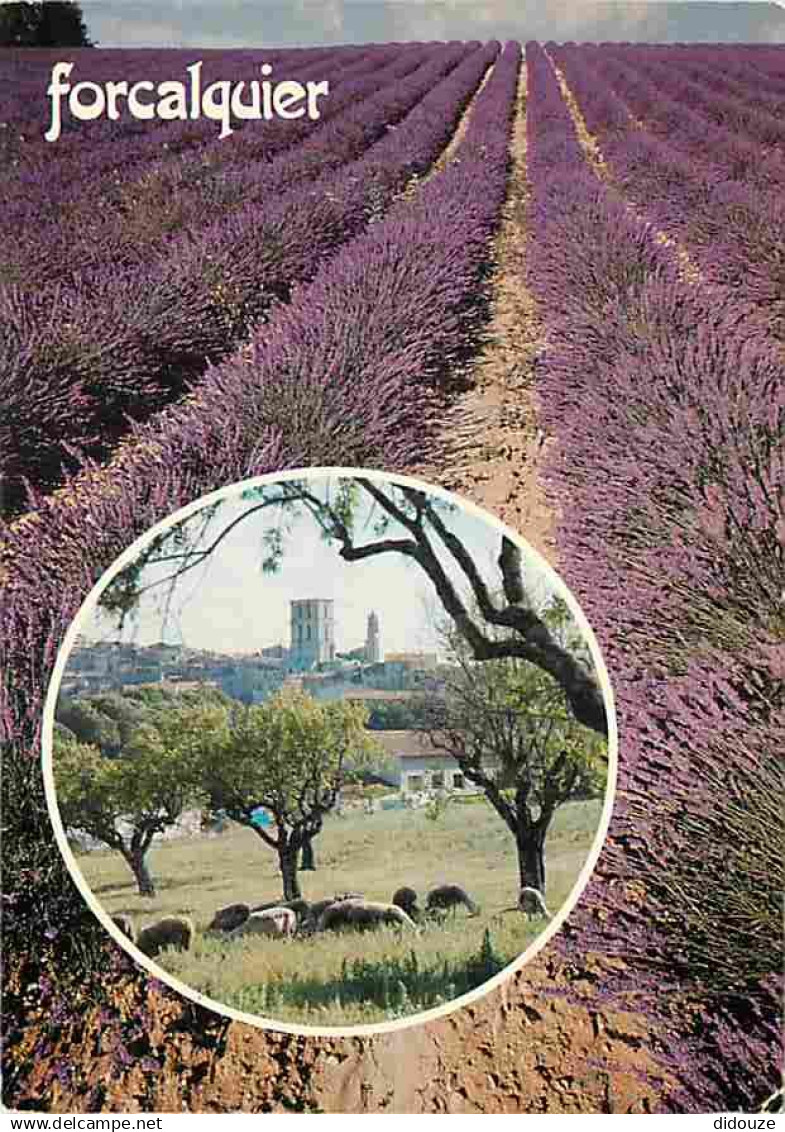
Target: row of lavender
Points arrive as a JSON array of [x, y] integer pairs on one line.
[[759, 60], [73, 368], [723, 87], [667, 407], [688, 115], [343, 375], [719, 188], [756, 67], [71, 229]]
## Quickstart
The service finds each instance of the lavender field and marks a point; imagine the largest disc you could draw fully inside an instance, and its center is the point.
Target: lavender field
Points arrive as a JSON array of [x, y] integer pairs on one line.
[[179, 312]]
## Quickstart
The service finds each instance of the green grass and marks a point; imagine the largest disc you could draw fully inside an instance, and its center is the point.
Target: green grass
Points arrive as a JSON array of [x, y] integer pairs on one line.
[[349, 978]]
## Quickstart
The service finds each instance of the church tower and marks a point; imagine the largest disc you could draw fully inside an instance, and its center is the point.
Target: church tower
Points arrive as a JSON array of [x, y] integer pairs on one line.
[[312, 628], [373, 648]]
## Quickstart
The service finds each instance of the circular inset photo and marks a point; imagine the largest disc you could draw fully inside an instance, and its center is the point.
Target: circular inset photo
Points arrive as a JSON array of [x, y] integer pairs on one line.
[[330, 751]]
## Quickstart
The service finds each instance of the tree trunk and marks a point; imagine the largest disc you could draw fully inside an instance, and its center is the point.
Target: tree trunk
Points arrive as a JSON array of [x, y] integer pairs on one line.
[[287, 856], [138, 866], [308, 860], [531, 861]]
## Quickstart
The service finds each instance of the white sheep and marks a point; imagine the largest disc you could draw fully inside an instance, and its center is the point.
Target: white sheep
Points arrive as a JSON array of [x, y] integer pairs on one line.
[[280, 923], [300, 907], [363, 914]]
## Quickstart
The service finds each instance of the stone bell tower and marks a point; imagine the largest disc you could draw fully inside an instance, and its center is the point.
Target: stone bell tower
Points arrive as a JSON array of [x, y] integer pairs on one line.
[[373, 648], [312, 626]]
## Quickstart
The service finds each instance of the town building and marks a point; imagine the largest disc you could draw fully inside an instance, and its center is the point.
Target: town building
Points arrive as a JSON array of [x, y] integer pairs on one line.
[[363, 672], [420, 766]]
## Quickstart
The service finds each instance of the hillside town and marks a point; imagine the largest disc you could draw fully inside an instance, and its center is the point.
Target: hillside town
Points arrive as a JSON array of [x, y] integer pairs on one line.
[[310, 662]]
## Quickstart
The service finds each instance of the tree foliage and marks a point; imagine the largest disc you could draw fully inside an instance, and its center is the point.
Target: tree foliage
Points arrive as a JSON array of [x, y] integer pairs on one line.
[[291, 755], [395, 715], [509, 727], [147, 789], [51, 23], [89, 725], [108, 719]]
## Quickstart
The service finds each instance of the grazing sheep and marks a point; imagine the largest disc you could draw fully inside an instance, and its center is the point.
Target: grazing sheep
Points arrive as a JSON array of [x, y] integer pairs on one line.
[[280, 923], [229, 917], [406, 898], [316, 909], [308, 923], [301, 908], [319, 906], [532, 902], [172, 931], [362, 914], [448, 896], [125, 924]]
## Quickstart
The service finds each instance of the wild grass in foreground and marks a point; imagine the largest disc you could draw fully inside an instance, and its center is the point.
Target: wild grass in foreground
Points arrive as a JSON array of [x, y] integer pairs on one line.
[[367, 990], [348, 978]]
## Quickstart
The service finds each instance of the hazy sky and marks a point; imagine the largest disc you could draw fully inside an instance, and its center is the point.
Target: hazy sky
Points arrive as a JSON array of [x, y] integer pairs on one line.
[[269, 23], [228, 604]]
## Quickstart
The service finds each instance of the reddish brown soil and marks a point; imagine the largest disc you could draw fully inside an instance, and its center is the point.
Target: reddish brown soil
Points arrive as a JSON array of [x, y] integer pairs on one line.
[[517, 1050]]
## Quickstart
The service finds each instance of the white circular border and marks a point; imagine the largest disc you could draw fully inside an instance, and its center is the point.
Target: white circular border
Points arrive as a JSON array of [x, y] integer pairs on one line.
[[89, 605]]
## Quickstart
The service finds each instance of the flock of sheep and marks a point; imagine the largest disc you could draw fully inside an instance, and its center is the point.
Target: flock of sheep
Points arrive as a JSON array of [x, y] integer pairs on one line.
[[286, 919]]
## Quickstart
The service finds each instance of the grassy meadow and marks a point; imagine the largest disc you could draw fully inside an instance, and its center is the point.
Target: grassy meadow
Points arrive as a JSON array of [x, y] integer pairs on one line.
[[351, 978]]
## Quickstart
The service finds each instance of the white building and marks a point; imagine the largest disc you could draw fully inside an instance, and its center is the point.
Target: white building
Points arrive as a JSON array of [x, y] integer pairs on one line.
[[420, 766]]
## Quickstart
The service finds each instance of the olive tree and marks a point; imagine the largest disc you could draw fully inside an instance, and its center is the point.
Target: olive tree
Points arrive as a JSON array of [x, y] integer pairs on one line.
[[509, 727], [143, 792], [290, 755]]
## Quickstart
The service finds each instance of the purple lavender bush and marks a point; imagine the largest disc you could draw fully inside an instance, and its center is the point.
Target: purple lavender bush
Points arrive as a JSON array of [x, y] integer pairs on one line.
[[156, 329], [668, 405], [347, 373], [707, 170]]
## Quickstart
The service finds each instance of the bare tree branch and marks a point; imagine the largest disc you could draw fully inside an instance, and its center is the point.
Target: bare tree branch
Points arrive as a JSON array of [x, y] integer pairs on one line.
[[528, 637]]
